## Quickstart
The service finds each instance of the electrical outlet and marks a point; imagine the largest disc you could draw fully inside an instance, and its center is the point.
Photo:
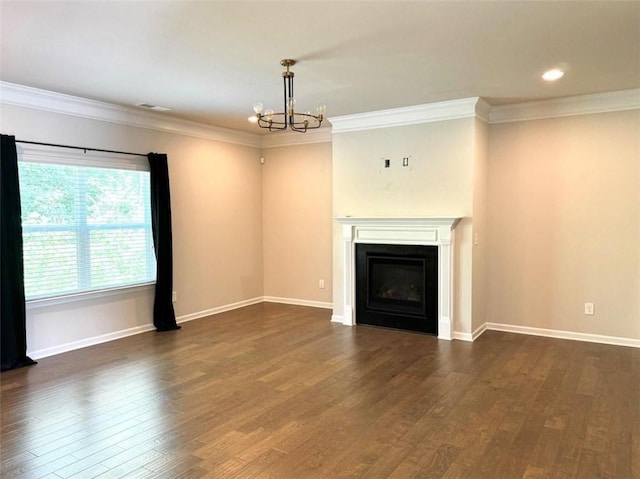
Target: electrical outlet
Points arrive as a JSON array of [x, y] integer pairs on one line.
[[321, 284], [405, 161], [174, 297], [588, 308]]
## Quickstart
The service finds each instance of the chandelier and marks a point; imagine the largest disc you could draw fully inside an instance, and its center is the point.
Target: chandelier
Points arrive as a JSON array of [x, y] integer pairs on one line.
[[289, 118]]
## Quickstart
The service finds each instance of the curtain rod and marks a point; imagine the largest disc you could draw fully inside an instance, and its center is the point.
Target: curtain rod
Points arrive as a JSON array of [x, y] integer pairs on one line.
[[80, 148]]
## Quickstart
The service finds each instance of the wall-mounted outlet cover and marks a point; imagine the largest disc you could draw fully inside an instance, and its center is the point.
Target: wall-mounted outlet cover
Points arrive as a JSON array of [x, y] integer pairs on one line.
[[589, 308]]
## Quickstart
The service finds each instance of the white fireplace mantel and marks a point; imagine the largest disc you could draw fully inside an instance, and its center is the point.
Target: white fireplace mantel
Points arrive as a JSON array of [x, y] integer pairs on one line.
[[436, 231]]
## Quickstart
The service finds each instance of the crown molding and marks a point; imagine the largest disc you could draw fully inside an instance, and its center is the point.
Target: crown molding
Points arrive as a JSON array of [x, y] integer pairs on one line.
[[567, 106], [411, 115], [483, 110], [292, 138], [35, 98], [29, 97]]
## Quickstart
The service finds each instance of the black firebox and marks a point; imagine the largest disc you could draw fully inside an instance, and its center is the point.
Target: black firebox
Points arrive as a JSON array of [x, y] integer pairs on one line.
[[397, 286]]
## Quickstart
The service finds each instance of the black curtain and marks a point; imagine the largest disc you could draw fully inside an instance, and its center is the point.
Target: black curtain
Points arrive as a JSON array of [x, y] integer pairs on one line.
[[13, 347], [164, 317]]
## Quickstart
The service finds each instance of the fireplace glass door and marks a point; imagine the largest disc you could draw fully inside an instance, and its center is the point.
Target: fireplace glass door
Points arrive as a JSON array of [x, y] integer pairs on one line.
[[397, 286]]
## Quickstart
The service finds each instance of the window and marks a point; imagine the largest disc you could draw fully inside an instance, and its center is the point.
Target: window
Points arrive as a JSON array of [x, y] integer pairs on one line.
[[86, 221]]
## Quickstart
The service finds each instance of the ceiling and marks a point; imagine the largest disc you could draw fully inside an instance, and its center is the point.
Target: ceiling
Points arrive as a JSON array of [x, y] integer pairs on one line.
[[210, 61]]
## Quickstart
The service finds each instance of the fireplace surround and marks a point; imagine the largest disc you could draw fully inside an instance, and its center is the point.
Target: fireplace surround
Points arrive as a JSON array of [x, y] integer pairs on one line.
[[428, 231]]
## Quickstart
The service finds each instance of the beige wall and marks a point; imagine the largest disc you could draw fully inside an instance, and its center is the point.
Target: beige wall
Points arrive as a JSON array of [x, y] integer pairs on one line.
[[297, 222], [216, 192], [564, 223], [479, 237], [217, 201], [555, 204], [438, 182]]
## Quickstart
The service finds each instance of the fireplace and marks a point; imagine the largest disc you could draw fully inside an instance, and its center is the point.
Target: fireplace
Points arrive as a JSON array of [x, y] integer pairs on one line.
[[436, 232], [397, 286]]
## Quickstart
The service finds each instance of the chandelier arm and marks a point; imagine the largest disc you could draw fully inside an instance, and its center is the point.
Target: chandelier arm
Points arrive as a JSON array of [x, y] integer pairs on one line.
[[273, 119], [271, 124], [307, 119], [305, 127], [272, 128]]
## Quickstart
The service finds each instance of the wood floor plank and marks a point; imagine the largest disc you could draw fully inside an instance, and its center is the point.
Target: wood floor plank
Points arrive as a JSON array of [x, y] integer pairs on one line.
[[278, 391]]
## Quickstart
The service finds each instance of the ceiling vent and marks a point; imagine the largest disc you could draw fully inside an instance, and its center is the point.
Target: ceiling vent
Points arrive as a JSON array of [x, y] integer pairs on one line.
[[153, 107]]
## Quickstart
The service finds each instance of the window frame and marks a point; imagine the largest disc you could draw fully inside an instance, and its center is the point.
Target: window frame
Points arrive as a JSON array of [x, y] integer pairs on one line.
[[44, 154]]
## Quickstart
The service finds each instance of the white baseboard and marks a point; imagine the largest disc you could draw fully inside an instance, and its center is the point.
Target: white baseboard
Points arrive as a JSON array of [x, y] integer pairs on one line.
[[218, 310], [555, 333], [479, 330], [462, 336], [509, 328], [297, 302], [92, 341], [471, 337], [84, 343]]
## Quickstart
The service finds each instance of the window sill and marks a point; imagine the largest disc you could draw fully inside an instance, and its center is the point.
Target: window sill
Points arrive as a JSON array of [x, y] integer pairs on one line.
[[90, 295]]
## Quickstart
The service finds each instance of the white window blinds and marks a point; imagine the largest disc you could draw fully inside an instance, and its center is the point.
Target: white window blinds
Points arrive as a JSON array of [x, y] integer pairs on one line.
[[86, 221]]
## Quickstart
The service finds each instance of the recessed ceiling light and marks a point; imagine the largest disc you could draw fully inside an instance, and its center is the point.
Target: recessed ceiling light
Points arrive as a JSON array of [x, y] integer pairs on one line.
[[153, 107], [552, 75]]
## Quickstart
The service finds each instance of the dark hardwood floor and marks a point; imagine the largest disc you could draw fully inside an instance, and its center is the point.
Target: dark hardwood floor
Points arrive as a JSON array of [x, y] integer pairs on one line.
[[277, 391]]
